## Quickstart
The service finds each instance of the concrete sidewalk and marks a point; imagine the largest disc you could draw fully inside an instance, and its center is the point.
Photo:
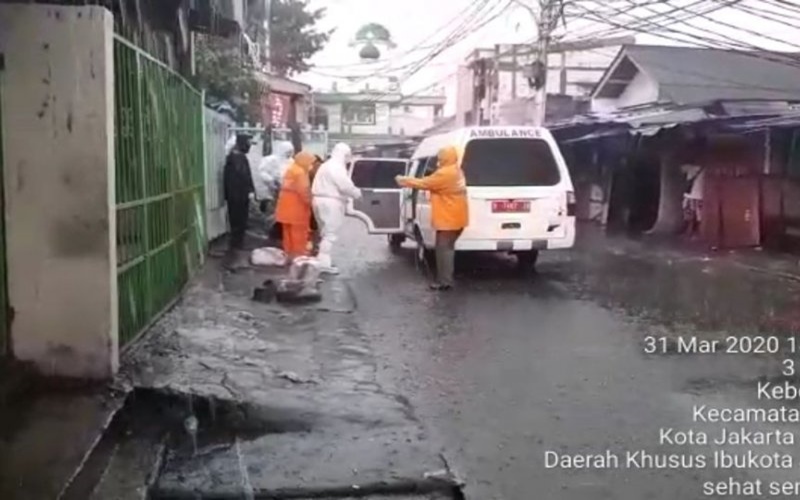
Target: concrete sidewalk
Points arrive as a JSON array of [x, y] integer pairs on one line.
[[286, 399]]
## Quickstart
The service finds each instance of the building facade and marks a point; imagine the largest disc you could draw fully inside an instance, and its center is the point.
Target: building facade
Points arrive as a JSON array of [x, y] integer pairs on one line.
[[118, 133], [494, 85], [370, 118]]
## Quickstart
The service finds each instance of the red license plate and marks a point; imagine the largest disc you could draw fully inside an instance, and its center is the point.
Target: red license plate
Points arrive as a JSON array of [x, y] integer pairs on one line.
[[511, 206]]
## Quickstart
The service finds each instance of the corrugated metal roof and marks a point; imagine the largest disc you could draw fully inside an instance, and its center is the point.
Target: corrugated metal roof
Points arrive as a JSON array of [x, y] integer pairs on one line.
[[689, 75]]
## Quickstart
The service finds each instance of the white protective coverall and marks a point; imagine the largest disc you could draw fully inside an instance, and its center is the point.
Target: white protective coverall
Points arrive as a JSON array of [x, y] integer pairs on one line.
[[230, 144], [331, 190], [272, 169]]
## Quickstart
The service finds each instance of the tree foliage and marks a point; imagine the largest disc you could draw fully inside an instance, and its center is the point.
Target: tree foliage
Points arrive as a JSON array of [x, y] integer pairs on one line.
[[294, 38], [228, 76]]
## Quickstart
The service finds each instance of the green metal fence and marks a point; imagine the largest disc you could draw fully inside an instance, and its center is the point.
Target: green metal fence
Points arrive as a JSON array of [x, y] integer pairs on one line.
[[159, 186], [4, 323]]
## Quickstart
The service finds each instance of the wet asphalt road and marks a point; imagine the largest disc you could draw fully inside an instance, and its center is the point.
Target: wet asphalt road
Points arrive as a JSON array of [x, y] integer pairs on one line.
[[506, 367]]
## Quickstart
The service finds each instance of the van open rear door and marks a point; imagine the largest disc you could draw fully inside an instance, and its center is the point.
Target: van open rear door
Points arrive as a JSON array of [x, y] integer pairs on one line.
[[381, 204]]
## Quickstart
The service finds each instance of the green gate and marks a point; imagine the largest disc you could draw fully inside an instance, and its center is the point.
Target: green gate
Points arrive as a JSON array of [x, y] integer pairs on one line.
[[4, 319], [159, 186]]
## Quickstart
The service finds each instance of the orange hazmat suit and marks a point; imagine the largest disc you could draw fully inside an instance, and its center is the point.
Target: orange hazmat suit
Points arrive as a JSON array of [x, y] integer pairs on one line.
[[293, 210], [448, 188]]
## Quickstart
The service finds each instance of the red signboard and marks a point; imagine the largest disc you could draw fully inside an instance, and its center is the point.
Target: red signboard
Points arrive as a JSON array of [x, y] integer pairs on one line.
[[275, 109]]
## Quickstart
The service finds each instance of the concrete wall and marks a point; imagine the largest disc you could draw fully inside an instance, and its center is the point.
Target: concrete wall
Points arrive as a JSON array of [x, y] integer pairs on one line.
[[381, 126], [641, 90], [464, 95], [58, 118], [411, 120]]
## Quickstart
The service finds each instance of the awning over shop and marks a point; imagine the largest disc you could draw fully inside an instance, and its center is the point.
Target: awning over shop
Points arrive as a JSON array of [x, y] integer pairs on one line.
[[738, 116]]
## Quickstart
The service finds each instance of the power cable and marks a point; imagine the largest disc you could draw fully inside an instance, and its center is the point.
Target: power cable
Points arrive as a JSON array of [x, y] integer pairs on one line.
[[619, 30], [638, 22], [454, 36], [452, 41], [705, 42], [744, 30], [769, 15], [421, 45]]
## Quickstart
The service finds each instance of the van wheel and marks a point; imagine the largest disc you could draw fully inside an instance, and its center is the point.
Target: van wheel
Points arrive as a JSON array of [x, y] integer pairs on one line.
[[396, 241], [526, 261], [424, 258]]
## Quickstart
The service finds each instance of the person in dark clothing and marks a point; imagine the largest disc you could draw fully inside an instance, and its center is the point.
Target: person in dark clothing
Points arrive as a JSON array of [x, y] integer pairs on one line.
[[239, 190]]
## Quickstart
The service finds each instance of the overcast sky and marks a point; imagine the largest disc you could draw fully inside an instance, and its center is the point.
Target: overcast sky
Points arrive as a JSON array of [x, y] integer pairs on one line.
[[428, 22]]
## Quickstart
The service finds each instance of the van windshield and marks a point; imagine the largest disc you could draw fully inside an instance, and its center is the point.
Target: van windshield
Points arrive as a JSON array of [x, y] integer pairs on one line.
[[510, 162]]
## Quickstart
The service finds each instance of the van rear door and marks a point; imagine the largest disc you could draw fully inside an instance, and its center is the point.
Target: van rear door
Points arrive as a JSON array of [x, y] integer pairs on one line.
[[518, 188], [380, 207]]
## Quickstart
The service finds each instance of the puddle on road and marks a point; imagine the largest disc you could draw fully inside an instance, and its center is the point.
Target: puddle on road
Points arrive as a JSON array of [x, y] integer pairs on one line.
[[705, 297]]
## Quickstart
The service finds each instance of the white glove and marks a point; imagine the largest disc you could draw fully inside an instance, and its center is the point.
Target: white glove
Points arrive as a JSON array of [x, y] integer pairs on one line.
[[252, 196], [357, 195]]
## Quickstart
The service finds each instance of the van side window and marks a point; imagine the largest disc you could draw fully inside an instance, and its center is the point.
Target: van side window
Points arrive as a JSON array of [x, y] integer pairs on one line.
[[377, 173], [430, 166], [421, 171], [419, 167]]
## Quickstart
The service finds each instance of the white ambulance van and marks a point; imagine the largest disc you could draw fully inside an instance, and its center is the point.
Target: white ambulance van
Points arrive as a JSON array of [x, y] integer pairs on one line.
[[521, 198]]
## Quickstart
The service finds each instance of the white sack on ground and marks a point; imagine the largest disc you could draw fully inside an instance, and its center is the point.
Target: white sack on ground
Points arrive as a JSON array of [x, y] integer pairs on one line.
[[268, 257]]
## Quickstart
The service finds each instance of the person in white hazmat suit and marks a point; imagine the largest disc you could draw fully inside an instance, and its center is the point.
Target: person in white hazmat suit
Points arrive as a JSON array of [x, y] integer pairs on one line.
[[270, 174], [273, 167], [331, 191]]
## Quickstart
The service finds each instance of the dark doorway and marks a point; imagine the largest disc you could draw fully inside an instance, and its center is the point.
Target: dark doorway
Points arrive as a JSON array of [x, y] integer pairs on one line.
[[635, 194], [619, 201], [645, 196]]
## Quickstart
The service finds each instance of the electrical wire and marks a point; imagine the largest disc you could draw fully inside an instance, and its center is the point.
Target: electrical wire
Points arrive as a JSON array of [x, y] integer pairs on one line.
[[704, 41], [638, 23], [770, 15], [745, 30], [456, 35], [469, 17], [728, 82], [421, 45], [595, 33], [452, 40]]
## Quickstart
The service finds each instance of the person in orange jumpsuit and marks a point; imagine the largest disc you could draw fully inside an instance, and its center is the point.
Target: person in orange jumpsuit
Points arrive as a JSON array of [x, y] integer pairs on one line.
[[450, 210], [293, 210]]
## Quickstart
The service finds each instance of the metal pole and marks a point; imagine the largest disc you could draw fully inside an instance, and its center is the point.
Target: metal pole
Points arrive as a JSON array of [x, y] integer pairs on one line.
[[268, 35], [514, 72], [542, 48]]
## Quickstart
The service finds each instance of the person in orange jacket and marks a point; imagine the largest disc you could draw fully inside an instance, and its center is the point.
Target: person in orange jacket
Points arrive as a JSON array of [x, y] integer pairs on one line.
[[450, 210], [293, 210]]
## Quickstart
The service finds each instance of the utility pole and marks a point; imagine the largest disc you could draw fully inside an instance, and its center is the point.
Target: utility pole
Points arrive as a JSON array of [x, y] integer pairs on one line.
[[267, 35], [546, 23]]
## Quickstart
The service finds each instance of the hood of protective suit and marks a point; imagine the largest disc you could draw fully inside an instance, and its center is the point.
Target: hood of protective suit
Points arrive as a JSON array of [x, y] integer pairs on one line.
[[283, 149], [448, 156], [305, 160], [341, 153], [274, 167]]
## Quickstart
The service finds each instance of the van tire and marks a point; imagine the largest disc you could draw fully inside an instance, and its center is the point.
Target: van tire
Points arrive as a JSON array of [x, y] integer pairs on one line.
[[396, 241], [526, 261]]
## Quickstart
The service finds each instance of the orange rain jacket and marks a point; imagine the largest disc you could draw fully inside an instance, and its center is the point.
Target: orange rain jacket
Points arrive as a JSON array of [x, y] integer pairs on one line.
[[448, 189], [294, 200]]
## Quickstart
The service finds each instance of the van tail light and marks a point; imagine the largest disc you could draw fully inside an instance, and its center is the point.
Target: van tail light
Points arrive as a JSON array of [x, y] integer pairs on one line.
[[571, 204]]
